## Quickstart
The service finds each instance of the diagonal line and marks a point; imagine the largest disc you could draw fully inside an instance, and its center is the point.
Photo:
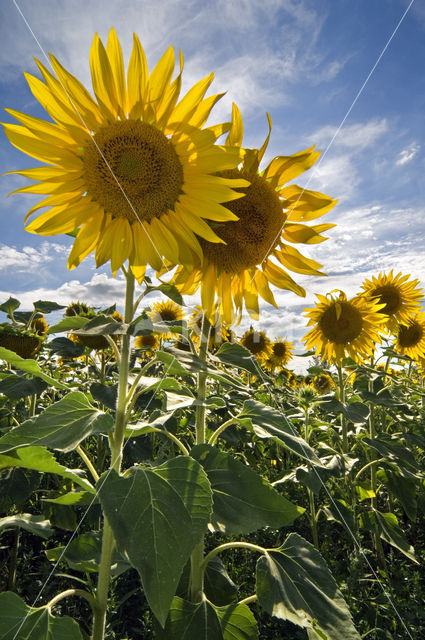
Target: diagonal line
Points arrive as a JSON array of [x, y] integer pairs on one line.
[[341, 124], [323, 486], [89, 131]]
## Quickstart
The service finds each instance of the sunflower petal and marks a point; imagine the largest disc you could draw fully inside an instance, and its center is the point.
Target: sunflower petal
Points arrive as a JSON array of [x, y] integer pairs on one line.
[[137, 78]]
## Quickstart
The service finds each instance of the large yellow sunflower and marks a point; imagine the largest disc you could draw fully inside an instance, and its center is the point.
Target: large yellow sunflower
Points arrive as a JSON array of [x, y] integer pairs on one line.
[[258, 343], [281, 353], [255, 247], [410, 337], [344, 327], [399, 295], [166, 311], [132, 169]]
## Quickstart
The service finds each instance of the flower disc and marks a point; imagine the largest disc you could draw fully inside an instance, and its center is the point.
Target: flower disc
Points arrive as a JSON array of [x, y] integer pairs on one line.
[[410, 340]]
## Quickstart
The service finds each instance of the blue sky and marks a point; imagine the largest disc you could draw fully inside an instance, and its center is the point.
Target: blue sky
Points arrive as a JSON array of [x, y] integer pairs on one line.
[[302, 61]]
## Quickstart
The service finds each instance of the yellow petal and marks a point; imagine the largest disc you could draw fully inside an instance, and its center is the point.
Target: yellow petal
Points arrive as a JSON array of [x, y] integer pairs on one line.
[[103, 79], [203, 110], [46, 131], [50, 174], [206, 208], [235, 137], [285, 168], [160, 77], [137, 77], [281, 279], [307, 235], [292, 259], [208, 290], [164, 241], [114, 52], [190, 102], [54, 201], [87, 239], [146, 246], [70, 186], [122, 244], [28, 143], [196, 224], [263, 288], [57, 220]]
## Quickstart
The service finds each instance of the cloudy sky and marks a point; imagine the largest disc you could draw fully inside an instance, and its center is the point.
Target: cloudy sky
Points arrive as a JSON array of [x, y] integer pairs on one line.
[[347, 76]]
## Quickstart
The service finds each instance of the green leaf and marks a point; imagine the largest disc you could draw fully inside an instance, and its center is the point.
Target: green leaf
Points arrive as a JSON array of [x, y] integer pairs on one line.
[[339, 511], [45, 306], [170, 291], [404, 489], [387, 526], [243, 500], [66, 348], [356, 412], [10, 305], [397, 455], [68, 324], [102, 326], [204, 620], [80, 498], [268, 423], [294, 583], [16, 387], [149, 518], [83, 554], [218, 586], [20, 622], [29, 366], [182, 363], [62, 426], [34, 524], [16, 487], [40, 459], [238, 356], [105, 394]]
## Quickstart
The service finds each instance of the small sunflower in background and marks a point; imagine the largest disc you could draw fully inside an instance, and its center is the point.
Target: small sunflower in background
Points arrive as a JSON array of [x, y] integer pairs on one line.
[[218, 331], [254, 251], [400, 297], [132, 170], [79, 309], [99, 342], [39, 326], [147, 344], [344, 327], [281, 353], [166, 311], [410, 337], [322, 383], [257, 343]]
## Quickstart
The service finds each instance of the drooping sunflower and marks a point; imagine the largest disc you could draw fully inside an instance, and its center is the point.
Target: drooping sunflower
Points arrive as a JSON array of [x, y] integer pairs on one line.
[[410, 337], [323, 383], [39, 326], [344, 327], [255, 248], [132, 170], [399, 295], [257, 343], [281, 353]]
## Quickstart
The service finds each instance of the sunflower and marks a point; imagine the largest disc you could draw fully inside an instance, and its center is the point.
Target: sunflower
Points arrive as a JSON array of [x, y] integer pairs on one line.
[[148, 344], [39, 326], [410, 338], [167, 311], [399, 295], [257, 343], [132, 170], [281, 353], [322, 383], [255, 248], [218, 332], [344, 327]]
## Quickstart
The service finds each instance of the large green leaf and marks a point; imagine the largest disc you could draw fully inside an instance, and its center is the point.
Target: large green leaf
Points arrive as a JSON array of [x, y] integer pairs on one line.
[[68, 324], [10, 305], [387, 526], [83, 554], [243, 500], [29, 366], [218, 586], [40, 459], [238, 356], [17, 387], [294, 583], [62, 426], [397, 455], [269, 423], [34, 524], [102, 326], [45, 306], [20, 622], [189, 620], [65, 347], [153, 526], [182, 363]]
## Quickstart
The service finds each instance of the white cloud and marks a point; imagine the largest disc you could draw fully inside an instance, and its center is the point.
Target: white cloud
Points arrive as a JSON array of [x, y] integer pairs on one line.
[[356, 136], [28, 258], [407, 154]]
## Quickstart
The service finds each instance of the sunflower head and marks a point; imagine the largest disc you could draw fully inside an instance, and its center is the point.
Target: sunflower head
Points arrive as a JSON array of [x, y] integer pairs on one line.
[[344, 327], [218, 331], [410, 337], [323, 383], [79, 309], [166, 311], [257, 343], [132, 169], [254, 252], [147, 344], [399, 296], [280, 355], [39, 326]]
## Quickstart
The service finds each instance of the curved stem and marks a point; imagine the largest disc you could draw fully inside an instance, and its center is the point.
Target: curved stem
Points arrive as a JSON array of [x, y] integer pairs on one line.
[[231, 545], [220, 430], [366, 466], [115, 349], [89, 464], [248, 600], [172, 437], [73, 592]]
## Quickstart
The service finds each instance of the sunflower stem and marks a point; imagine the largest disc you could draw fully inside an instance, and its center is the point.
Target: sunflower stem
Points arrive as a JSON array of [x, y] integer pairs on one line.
[[312, 516], [197, 557], [343, 419], [116, 444]]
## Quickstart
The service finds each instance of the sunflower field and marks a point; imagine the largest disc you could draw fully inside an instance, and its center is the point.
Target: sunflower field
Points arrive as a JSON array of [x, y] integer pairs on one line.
[[164, 474]]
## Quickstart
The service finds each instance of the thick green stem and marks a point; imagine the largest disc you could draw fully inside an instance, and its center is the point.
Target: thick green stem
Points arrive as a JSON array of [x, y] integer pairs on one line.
[[231, 545], [89, 464], [220, 430], [73, 592], [313, 517], [116, 443], [343, 419], [13, 560], [196, 559]]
